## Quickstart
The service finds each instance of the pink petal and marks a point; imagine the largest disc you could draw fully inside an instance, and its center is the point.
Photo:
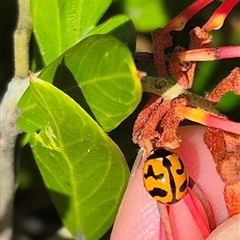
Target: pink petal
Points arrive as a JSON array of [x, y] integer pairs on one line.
[[201, 168], [230, 229]]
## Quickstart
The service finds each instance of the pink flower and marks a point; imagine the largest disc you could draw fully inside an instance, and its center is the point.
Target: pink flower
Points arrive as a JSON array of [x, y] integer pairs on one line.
[[138, 216]]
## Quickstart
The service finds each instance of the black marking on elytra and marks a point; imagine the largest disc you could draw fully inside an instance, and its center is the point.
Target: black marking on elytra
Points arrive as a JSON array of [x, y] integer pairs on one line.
[[159, 153], [174, 200], [181, 170], [158, 192], [150, 173], [183, 186], [167, 164]]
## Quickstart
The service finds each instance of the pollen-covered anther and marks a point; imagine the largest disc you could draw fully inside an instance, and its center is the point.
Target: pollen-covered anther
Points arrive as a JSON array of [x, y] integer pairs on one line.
[[148, 120], [214, 140], [199, 38], [229, 169], [230, 83], [232, 198], [183, 73], [161, 40], [170, 123], [232, 141]]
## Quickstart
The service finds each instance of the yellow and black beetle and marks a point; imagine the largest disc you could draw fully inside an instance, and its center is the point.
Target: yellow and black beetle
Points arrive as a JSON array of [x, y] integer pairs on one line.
[[164, 176]]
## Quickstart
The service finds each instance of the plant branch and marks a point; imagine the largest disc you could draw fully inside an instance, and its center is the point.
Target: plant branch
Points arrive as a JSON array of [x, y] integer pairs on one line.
[[9, 114], [160, 86], [21, 39]]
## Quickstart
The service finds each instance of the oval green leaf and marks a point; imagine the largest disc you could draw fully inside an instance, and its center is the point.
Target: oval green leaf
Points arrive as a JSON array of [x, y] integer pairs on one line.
[[121, 27], [59, 24], [99, 73], [83, 169]]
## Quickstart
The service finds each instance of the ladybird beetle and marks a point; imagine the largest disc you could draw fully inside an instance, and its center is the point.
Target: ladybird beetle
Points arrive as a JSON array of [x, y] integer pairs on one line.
[[164, 176]]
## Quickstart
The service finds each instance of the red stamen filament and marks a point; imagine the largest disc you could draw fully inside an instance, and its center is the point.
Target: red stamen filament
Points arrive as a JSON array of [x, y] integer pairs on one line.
[[217, 19], [207, 119], [210, 54], [189, 200], [179, 22]]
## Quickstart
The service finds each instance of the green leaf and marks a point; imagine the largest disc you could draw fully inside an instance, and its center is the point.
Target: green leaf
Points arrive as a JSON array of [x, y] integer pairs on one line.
[[83, 169], [99, 73], [59, 24], [119, 26]]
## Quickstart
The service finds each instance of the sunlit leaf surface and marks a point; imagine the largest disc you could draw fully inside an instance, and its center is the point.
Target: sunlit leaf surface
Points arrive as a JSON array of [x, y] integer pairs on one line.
[[83, 169], [99, 73], [60, 24]]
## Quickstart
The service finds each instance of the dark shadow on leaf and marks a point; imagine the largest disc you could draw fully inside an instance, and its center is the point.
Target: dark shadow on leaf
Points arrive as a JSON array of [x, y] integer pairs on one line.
[[126, 33], [60, 201], [65, 81], [128, 37], [122, 135]]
